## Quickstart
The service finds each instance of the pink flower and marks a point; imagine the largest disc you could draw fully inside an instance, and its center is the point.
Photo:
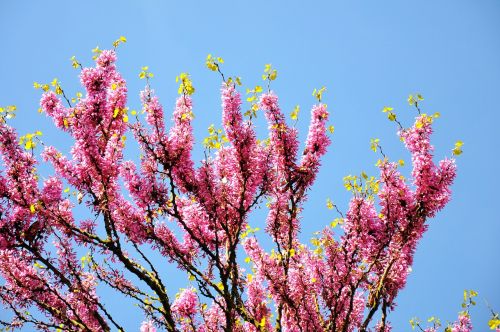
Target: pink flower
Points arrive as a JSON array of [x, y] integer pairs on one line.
[[185, 304], [147, 326]]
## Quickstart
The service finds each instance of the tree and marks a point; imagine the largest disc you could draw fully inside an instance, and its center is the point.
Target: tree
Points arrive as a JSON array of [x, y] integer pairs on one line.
[[341, 283]]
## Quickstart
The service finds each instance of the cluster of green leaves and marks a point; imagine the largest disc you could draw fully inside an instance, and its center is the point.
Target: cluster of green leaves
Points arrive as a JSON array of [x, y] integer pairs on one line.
[[38, 265], [215, 139], [457, 150], [96, 52], [86, 259], [123, 112], [249, 231], [494, 322], [318, 243], [145, 73], [234, 80], [78, 97], [46, 87], [318, 93], [75, 63], [270, 74], [415, 99], [253, 99], [469, 296], [56, 85], [362, 185], [119, 41], [374, 144], [186, 85], [416, 322], [213, 63], [294, 115], [390, 114], [337, 221], [28, 141]]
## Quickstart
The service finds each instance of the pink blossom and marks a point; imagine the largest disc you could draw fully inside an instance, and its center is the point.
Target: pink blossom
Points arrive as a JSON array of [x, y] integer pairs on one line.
[[198, 217], [147, 326], [185, 304]]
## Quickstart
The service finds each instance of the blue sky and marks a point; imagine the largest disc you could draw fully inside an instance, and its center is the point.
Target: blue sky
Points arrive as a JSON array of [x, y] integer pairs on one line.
[[369, 54]]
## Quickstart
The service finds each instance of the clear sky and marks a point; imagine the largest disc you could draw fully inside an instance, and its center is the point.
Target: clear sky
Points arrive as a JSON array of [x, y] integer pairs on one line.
[[369, 54]]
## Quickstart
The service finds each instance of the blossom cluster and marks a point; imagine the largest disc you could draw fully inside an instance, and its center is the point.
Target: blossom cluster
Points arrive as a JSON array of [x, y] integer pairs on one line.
[[197, 218]]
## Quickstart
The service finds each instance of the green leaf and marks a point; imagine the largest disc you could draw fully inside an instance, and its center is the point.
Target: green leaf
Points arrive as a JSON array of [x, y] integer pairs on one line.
[[329, 204], [494, 323], [295, 113]]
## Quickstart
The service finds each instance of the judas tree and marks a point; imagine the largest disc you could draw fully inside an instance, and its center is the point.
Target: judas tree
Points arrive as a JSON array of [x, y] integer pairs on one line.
[[163, 208]]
